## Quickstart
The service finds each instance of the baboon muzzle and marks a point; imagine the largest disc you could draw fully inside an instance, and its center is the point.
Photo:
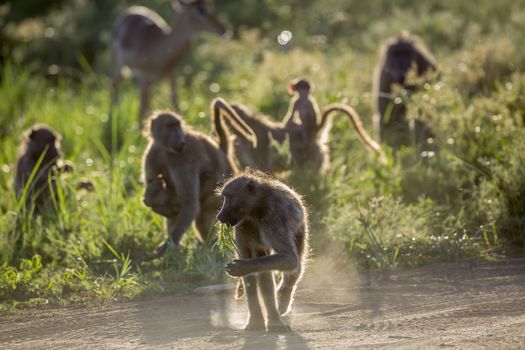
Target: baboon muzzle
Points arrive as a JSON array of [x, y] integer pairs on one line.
[[226, 220]]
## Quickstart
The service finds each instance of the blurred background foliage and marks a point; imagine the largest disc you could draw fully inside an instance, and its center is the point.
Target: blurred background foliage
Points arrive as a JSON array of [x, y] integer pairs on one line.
[[69, 33]]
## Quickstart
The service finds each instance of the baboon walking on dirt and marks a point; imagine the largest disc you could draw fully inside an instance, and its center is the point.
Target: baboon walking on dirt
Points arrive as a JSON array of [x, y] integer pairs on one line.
[[271, 234], [399, 57], [182, 168]]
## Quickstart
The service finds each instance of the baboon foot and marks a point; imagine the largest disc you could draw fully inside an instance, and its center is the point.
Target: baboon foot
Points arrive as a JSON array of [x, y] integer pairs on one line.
[[278, 326], [161, 250], [255, 324], [284, 308], [284, 297]]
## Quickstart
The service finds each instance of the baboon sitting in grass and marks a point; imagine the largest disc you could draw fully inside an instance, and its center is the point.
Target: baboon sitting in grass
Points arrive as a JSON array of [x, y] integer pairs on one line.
[[404, 62], [37, 165], [182, 167], [271, 234]]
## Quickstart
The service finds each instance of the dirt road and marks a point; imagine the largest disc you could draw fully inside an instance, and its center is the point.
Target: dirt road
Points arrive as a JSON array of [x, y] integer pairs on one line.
[[467, 305]]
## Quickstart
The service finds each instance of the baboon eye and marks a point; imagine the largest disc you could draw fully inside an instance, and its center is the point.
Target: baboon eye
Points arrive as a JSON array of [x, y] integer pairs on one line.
[[202, 10], [250, 186]]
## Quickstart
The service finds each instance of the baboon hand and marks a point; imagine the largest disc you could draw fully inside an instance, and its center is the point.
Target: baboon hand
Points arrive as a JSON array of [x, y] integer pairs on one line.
[[236, 268]]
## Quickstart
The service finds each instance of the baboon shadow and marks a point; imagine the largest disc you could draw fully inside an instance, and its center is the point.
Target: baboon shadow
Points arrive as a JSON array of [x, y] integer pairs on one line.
[[222, 313], [260, 340]]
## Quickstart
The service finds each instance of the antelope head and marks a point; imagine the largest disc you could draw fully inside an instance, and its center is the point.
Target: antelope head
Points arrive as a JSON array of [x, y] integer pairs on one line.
[[203, 15]]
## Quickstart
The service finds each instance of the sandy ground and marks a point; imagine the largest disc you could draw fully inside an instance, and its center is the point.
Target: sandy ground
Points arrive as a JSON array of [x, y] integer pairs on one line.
[[467, 305]]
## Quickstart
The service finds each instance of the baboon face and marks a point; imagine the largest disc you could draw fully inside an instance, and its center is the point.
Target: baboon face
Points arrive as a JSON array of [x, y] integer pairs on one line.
[[239, 197], [43, 140], [166, 129], [401, 57]]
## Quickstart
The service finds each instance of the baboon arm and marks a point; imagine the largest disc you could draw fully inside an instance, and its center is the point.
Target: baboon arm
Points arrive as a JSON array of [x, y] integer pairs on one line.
[[152, 167], [289, 116], [285, 257], [187, 187], [274, 262], [21, 176]]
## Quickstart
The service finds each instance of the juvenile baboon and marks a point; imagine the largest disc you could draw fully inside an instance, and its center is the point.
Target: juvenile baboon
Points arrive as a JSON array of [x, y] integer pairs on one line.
[[37, 164], [303, 110], [262, 156], [160, 198], [181, 169], [399, 57], [271, 234], [308, 134]]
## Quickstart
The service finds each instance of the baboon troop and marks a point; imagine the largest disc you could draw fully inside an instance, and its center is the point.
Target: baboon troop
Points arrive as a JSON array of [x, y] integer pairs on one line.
[[399, 57], [188, 174], [37, 165], [271, 234], [145, 43], [182, 168]]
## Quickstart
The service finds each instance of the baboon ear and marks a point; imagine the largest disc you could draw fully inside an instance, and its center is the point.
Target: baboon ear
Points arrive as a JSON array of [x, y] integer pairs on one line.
[[291, 87], [32, 134], [250, 186]]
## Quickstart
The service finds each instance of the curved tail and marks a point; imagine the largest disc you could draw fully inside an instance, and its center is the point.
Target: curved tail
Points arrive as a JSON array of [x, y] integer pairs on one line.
[[356, 122], [221, 109]]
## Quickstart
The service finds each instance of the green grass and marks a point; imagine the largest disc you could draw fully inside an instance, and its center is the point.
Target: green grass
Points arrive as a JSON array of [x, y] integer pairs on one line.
[[468, 200]]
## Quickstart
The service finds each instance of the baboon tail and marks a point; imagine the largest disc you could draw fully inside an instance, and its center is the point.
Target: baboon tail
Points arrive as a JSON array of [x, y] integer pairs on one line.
[[356, 122], [239, 292], [221, 109]]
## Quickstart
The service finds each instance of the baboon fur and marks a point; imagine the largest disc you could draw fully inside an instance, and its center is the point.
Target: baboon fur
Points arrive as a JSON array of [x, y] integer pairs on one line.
[[399, 56], [271, 233]]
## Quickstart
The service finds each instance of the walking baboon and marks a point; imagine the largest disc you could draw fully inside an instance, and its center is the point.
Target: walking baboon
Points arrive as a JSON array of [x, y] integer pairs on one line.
[[181, 169], [262, 156], [37, 164], [308, 134], [271, 234], [400, 57]]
